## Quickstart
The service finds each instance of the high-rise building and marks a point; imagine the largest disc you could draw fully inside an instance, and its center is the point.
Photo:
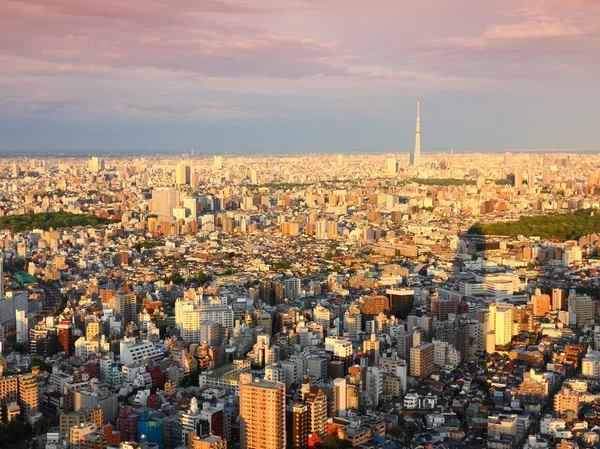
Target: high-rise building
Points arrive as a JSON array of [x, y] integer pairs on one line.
[[262, 414], [374, 384], [28, 395], [559, 299], [183, 174], [298, 425], [353, 321], [65, 337], [416, 156], [583, 307], [392, 166], [22, 326], [541, 304], [421, 360], [518, 176], [501, 315], [164, 199], [401, 301], [126, 306], [96, 164], [317, 411]]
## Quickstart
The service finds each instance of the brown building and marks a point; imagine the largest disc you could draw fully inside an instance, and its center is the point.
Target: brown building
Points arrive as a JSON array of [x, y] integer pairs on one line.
[[298, 425], [262, 413]]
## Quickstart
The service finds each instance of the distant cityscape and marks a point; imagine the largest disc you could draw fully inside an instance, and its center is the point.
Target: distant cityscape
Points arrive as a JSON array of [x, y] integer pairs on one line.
[[371, 301], [299, 224]]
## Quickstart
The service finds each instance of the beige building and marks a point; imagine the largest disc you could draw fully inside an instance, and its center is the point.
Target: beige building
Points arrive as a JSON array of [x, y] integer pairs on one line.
[[421, 360], [210, 442], [566, 399], [502, 425], [262, 413], [73, 419]]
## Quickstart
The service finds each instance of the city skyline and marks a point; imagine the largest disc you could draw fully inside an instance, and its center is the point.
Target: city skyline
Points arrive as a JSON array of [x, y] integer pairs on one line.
[[297, 76]]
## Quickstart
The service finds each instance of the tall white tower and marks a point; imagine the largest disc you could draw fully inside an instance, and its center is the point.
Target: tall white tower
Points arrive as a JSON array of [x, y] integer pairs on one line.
[[416, 159]]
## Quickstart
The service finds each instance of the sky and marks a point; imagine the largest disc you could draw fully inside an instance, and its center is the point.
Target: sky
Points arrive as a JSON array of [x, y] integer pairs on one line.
[[298, 75]]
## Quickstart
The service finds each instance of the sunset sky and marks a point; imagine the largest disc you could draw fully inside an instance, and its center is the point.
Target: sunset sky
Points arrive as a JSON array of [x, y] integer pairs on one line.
[[298, 75]]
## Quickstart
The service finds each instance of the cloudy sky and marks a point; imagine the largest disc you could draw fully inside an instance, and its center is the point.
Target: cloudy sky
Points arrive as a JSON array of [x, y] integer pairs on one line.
[[298, 75]]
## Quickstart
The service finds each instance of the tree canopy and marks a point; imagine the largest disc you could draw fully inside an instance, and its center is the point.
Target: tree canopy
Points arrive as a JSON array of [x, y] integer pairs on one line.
[[47, 220], [561, 226]]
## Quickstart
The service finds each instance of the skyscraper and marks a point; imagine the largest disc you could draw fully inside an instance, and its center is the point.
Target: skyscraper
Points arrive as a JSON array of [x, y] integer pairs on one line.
[[164, 199], [416, 157], [262, 413], [22, 326], [183, 174]]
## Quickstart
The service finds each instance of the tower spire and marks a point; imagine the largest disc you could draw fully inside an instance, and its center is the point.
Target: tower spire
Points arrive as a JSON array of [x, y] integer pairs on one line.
[[416, 159]]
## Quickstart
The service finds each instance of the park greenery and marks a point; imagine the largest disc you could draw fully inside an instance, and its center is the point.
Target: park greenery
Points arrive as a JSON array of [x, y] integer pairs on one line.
[[148, 245], [443, 181], [47, 220], [560, 226]]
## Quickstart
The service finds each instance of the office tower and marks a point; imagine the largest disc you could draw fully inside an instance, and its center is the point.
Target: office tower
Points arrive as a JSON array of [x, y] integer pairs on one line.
[[218, 162], [22, 326], [126, 306], [546, 177], [401, 301], [317, 411], [65, 337], [421, 360], [96, 164], [508, 158], [518, 176], [442, 307], [297, 425], [416, 157], [164, 199], [583, 307], [262, 414], [291, 288], [183, 174], [501, 316], [559, 298], [191, 204], [392, 166]]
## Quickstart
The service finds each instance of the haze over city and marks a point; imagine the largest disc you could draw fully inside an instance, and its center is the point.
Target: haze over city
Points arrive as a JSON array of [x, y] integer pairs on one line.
[[298, 75]]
